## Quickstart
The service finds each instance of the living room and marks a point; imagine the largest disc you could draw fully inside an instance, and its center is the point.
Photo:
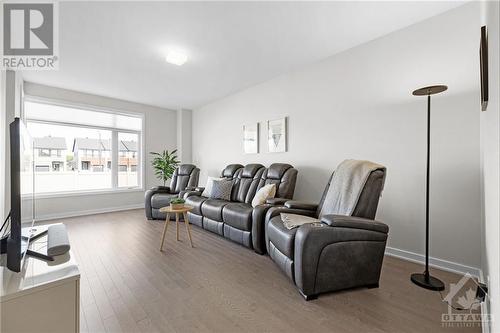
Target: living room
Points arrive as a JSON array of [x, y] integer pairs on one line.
[[250, 166]]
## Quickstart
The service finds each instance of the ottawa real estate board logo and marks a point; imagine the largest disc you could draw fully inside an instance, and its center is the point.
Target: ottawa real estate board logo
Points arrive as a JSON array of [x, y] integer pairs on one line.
[[29, 35]]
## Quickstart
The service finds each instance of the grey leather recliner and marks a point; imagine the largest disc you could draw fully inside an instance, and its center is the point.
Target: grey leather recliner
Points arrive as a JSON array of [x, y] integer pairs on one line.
[[185, 178], [338, 253]]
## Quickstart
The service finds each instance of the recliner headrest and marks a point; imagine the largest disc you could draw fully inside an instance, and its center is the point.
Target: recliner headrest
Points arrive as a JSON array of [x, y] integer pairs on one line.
[[230, 170], [277, 170], [250, 170], [185, 169]]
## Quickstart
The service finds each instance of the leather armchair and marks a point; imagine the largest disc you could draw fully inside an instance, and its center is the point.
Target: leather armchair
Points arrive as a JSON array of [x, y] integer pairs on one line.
[[337, 252], [185, 178]]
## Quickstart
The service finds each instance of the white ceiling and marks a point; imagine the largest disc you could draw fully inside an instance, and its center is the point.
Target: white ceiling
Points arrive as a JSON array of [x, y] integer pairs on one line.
[[117, 49]]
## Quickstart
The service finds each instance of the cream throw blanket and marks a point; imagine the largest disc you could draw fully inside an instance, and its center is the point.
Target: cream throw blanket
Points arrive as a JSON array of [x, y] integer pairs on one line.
[[293, 220], [346, 186]]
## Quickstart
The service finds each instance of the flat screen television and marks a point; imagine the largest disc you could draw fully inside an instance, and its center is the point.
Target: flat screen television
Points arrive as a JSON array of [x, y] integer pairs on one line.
[[22, 214]]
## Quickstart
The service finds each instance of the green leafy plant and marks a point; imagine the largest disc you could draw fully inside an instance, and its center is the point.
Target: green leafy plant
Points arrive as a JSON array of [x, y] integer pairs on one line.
[[177, 201], [164, 164]]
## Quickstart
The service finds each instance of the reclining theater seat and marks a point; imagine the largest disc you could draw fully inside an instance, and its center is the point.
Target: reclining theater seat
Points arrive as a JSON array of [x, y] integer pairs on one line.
[[340, 252], [244, 189], [237, 220], [184, 177], [194, 198], [284, 176]]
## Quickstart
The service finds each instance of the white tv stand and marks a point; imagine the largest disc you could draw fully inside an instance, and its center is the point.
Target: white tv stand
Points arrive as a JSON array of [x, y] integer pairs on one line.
[[43, 297]]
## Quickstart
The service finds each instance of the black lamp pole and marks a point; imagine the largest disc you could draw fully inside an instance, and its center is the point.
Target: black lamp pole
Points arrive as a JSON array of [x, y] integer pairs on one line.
[[425, 280]]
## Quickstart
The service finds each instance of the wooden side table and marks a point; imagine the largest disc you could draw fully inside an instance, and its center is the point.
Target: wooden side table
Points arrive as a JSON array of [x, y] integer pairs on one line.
[[182, 211]]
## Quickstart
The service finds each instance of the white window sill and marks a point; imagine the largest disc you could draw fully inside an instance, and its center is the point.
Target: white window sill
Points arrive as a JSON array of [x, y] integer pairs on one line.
[[87, 193]]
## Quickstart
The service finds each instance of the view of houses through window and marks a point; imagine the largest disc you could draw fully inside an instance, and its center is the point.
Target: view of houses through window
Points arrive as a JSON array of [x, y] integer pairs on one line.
[[76, 157]]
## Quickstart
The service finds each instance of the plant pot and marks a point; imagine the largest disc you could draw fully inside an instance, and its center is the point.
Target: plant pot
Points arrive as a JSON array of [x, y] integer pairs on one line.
[[176, 205]]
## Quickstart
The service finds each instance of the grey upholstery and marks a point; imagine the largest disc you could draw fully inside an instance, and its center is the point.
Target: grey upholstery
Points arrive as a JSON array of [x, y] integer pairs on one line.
[[236, 219], [247, 183], [338, 252], [238, 215], [194, 198], [212, 208], [196, 202], [276, 201], [184, 177], [284, 176]]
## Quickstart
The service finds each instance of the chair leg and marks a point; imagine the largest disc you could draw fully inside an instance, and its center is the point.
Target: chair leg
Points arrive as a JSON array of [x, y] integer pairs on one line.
[[177, 225], [308, 297], [188, 228], [164, 231]]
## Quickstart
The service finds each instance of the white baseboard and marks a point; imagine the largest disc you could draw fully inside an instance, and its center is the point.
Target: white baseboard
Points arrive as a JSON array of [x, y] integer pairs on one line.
[[445, 265], [62, 215]]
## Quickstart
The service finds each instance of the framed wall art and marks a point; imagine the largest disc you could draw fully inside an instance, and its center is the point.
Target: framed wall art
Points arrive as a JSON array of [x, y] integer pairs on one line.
[[277, 135]]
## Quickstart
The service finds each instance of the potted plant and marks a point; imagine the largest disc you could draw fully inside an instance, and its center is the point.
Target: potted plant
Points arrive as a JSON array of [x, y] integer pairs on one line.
[[164, 165], [177, 203]]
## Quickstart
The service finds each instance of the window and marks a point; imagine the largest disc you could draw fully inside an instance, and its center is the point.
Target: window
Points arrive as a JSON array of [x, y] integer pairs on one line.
[[85, 147], [128, 145], [44, 152]]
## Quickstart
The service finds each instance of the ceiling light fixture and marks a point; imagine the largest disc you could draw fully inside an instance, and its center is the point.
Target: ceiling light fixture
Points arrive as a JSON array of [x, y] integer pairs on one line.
[[176, 58]]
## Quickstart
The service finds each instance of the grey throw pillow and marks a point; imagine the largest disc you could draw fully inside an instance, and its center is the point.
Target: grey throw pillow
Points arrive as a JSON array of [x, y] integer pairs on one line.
[[221, 189]]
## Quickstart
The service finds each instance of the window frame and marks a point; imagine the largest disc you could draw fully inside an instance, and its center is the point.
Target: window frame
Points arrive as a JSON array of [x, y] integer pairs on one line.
[[141, 178]]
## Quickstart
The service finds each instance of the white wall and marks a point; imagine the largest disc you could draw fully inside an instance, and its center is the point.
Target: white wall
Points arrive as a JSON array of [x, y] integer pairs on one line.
[[358, 104], [490, 151], [160, 134], [184, 135]]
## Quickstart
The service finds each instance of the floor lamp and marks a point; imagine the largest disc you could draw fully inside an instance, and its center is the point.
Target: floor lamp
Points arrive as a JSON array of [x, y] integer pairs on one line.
[[425, 280]]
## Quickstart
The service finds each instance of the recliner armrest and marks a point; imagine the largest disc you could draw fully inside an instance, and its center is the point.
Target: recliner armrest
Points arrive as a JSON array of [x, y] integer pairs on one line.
[[276, 201], [161, 189], [277, 210], [343, 221], [187, 194], [301, 205]]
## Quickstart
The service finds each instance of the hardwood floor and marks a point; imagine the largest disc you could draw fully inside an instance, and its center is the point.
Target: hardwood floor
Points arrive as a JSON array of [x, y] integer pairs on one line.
[[128, 285]]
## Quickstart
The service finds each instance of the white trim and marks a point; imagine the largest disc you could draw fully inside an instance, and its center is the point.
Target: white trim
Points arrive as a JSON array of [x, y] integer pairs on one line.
[[445, 265], [81, 106], [63, 215], [94, 127], [115, 157], [118, 190]]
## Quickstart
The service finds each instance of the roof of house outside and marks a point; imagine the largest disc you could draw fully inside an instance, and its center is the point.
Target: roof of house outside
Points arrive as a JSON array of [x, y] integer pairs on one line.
[[50, 142], [91, 144], [128, 146], [105, 145]]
